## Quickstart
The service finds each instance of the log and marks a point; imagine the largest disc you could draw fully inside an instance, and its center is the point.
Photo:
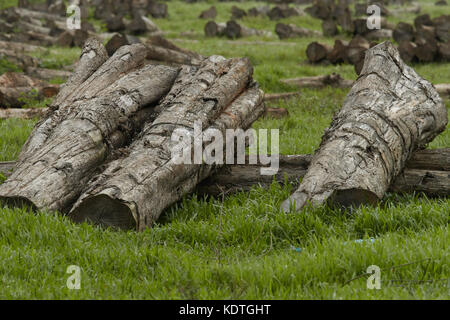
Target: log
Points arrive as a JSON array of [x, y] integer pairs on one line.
[[47, 74], [442, 27], [329, 28], [276, 113], [209, 14], [170, 56], [237, 13], [285, 31], [281, 12], [422, 20], [119, 40], [316, 52], [157, 10], [280, 96], [30, 113], [339, 52], [427, 171], [234, 30], [18, 59], [426, 49], [214, 29], [15, 88], [443, 89], [65, 149], [161, 181], [407, 51], [333, 80], [387, 115], [403, 32], [260, 11]]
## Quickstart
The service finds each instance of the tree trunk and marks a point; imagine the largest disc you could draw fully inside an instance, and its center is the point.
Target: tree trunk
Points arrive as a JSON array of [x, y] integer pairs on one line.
[[235, 30], [403, 32], [329, 28], [339, 52], [388, 113], [211, 13], [65, 149], [427, 171], [133, 191]]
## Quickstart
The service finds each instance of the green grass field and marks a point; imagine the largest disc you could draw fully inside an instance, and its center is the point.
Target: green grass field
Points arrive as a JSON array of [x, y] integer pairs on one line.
[[242, 246]]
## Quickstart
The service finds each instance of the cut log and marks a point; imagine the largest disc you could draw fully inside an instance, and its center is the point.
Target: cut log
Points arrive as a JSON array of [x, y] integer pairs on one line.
[[422, 20], [329, 28], [316, 52], [133, 191], [170, 56], [280, 96], [209, 14], [339, 52], [234, 30], [387, 115], [157, 10], [442, 26], [16, 88], [426, 49], [380, 34], [18, 59], [443, 89], [65, 150], [403, 32], [214, 29], [276, 113], [237, 13], [407, 51], [285, 31], [427, 171], [281, 12], [163, 42], [333, 80], [22, 113], [119, 40], [260, 11], [47, 74]]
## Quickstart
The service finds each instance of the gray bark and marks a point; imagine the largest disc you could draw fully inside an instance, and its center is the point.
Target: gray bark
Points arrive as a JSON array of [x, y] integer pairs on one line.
[[388, 113], [66, 148], [133, 191]]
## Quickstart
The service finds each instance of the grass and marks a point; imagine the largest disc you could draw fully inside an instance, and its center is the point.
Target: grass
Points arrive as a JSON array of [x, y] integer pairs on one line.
[[242, 247]]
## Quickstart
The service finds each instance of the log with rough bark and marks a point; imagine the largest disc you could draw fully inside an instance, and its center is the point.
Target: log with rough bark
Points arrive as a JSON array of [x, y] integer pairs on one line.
[[237, 13], [329, 28], [87, 125], [171, 56], [18, 59], [339, 52], [285, 31], [427, 171], [281, 12], [389, 113], [407, 50], [133, 191]]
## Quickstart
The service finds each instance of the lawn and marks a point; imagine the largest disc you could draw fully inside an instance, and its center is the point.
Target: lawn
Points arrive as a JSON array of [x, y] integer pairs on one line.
[[242, 246]]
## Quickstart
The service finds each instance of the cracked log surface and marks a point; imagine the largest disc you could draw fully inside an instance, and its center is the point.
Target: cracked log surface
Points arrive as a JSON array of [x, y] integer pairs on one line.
[[134, 190], [93, 112], [388, 113]]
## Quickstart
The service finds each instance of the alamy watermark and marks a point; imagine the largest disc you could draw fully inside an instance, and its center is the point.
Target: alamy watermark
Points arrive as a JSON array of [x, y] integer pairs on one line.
[[74, 280], [374, 20]]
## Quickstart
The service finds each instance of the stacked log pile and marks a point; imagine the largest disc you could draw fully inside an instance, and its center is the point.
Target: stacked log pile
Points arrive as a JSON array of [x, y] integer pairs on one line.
[[428, 40], [111, 139]]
